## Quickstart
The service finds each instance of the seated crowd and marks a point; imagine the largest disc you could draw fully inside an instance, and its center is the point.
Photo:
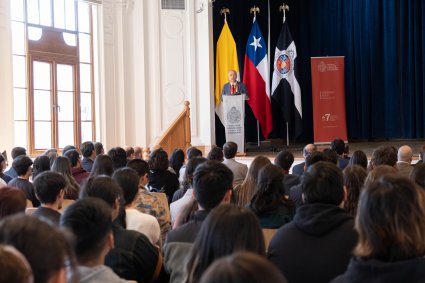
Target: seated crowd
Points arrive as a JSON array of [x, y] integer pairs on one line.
[[91, 215]]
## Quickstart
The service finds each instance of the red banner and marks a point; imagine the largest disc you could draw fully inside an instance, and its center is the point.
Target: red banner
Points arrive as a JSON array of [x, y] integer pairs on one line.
[[327, 76]]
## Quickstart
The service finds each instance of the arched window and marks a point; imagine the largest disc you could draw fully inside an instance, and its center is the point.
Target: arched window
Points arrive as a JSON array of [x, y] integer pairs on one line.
[[53, 72]]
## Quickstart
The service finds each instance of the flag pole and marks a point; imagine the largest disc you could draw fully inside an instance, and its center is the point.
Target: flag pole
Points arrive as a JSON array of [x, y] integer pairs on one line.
[[287, 134], [258, 134], [285, 8], [254, 10], [225, 11]]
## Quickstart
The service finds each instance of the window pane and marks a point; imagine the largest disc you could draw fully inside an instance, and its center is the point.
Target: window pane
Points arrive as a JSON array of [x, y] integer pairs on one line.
[[41, 75], [83, 17], [65, 77], [45, 13], [84, 47], [19, 72], [42, 105], [59, 13], [70, 14], [17, 10], [21, 135], [65, 133], [42, 135], [33, 12], [18, 38], [85, 77], [34, 33], [86, 131], [70, 38], [66, 106], [85, 106], [20, 104]]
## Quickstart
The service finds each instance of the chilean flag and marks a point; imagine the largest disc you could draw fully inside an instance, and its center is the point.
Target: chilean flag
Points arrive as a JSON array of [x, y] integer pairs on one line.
[[256, 79]]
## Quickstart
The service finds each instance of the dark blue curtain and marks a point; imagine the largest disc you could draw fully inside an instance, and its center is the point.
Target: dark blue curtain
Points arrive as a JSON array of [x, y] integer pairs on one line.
[[383, 42]]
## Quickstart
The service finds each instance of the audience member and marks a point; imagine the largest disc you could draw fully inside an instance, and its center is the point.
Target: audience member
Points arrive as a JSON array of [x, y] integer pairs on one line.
[[89, 220], [133, 256], [49, 188], [390, 224], [216, 240], [41, 164], [404, 160], [102, 165], [216, 153], [3, 165], [269, 203], [354, 178], [12, 201], [316, 246], [160, 179], [118, 156], [23, 167], [52, 154], [128, 179], [62, 165], [239, 169], [378, 172], [176, 161], [284, 159], [242, 267], [339, 146], [299, 168], [358, 158], [146, 201], [383, 155], [45, 247], [129, 153], [89, 155], [16, 151], [331, 156], [79, 174], [191, 152], [66, 148], [14, 266], [98, 148], [418, 175]]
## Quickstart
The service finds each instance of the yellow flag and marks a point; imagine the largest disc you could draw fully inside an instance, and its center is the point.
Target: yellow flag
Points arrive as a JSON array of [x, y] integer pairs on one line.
[[226, 59]]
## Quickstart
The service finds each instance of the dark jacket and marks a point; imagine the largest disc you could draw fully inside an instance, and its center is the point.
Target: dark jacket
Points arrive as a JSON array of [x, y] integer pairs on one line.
[[295, 194], [5, 177], [163, 181], [133, 257], [290, 180], [87, 164], [187, 233], [27, 188], [276, 218], [298, 169], [47, 214], [375, 271], [316, 246]]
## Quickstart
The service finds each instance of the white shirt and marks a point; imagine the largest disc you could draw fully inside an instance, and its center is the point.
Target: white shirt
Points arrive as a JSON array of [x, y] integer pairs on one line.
[[143, 223], [177, 206]]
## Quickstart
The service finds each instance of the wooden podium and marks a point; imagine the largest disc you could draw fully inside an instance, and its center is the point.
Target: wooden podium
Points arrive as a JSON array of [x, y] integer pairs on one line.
[[234, 119]]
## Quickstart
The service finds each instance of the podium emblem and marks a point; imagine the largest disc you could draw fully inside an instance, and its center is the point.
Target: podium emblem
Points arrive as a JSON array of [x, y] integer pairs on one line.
[[234, 116]]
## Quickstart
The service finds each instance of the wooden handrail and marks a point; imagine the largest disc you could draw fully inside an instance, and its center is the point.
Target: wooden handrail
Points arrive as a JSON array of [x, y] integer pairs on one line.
[[178, 134]]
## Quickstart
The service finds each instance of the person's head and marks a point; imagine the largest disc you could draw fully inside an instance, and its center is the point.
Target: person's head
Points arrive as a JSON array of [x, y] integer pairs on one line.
[[142, 169], [354, 177], [102, 187], [216, 153], [118, 156], [250, 182], [230, 149], [12, 201], [418, 174], [331, 155], [90, 222], [128, 179], [338, 145], [87, 149], [102, 165], [216, 240], [212, 183], [405, 154], [177, 159], [46, 248], [384, 155], [390, 220], [68, 147], [129, 152], [242, 267], [62, 165], [98, 148], [14, 266], [52, 154], [193, 152], [18, 151], [49, 187], [270, 191], [379, 171], [41, 164], [313, 158], [309, 149], [284, 159], [23, 166], [158, 160], [191, 166], [138, 152], [323, 183], [74, 157], [358, 158], [232, 75]]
